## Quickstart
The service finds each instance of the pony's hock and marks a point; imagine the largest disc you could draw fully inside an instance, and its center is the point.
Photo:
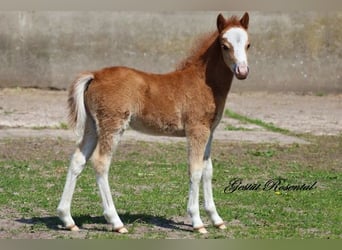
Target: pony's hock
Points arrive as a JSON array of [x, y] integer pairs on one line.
[[187, 102]]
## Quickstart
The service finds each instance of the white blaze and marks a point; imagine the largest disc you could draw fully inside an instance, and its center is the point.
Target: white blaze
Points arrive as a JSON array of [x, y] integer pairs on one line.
[[238, 39]]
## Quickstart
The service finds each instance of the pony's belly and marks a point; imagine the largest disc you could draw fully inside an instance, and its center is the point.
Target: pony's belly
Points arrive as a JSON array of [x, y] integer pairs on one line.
[[156, 127]]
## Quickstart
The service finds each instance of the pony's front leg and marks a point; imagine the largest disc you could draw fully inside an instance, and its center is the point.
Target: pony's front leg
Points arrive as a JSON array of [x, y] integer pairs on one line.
[[197, 139], [207, 177], [209, 204], [193, 202]]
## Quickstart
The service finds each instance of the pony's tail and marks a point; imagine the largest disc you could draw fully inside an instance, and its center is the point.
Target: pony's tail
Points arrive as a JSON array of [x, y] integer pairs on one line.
[[77, 108]]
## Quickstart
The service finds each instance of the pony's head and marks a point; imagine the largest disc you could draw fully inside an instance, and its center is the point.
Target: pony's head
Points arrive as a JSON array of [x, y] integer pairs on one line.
[[234, 43]]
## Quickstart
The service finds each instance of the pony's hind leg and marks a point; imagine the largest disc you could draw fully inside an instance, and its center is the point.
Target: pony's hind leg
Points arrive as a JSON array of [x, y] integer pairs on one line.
[[101, 159], [101, 162], [77, 163]]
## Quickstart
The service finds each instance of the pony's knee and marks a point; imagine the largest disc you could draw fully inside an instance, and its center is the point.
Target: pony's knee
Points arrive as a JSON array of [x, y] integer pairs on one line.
[[196, 176]]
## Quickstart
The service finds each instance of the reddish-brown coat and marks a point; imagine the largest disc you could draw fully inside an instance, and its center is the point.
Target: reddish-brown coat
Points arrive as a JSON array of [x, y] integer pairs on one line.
[[187, 102]]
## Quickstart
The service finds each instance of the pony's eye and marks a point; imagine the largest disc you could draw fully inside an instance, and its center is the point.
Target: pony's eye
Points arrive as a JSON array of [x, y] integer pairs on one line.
[[248, 45], [225, 47]]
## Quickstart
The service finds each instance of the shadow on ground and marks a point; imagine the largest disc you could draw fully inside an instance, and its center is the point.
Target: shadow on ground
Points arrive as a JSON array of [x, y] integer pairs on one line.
[[54, 223]]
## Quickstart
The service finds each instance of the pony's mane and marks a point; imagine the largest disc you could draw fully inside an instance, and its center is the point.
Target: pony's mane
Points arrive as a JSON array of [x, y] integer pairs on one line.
[[233, 21], [199, 51]]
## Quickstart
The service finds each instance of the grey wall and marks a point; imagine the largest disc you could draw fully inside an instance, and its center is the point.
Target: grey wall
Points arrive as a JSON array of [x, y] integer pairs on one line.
[[298, 52]]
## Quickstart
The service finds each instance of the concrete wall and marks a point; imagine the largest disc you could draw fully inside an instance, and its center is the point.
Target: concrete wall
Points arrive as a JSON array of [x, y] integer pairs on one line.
[[298, 52]]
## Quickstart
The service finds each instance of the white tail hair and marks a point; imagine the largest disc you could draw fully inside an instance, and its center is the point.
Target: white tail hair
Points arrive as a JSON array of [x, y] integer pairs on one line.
[[77, 109]]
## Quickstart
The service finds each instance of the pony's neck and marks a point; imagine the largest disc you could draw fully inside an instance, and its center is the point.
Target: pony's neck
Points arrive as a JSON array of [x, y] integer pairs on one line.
[[211, 67], [217, 74]]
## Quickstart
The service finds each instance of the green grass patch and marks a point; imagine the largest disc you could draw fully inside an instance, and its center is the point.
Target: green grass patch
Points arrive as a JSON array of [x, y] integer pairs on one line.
[[246, 119], [61, 125], [320, 94], [39, 127], [234, 128], [149, 183]]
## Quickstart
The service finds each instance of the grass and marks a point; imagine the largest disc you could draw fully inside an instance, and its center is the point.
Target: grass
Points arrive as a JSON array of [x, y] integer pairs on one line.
[[9, 112], [320, 94], [61, 125], [149, 183], [245, 119], [234, 128]]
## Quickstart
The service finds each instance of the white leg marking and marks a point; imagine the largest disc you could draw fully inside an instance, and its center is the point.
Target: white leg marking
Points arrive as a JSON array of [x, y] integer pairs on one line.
[[209, 204], [109, 213], [109, 210], [193, 203], [76, 166], [77, 163]]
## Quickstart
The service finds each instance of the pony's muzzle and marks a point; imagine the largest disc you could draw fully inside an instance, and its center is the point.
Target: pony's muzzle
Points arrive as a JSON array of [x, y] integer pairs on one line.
[[241, 71]]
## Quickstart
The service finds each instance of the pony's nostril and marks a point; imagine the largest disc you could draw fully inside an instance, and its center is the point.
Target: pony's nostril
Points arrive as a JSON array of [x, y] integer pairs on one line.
[[242, 69]]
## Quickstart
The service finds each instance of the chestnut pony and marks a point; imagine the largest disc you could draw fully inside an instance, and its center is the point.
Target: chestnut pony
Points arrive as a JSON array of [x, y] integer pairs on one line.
[[188, 102]]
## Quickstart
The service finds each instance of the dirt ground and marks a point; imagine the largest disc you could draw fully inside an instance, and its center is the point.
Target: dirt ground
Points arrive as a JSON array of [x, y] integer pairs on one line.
[[34, 112]]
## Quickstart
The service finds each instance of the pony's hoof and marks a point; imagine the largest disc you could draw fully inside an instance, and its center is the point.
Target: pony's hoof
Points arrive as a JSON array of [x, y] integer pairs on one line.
[[221, 226], [73, 228], [201, 230], [121, 230]]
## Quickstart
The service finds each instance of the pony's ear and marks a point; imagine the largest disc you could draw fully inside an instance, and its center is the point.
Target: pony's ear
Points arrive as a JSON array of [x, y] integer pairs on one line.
[[245, 20], [221, 22]]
